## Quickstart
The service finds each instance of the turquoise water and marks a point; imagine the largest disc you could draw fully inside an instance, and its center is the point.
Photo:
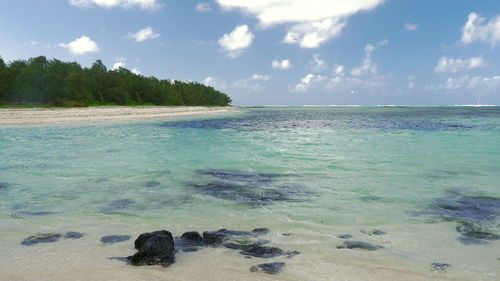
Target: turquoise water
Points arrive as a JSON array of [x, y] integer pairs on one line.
[[420, 174]]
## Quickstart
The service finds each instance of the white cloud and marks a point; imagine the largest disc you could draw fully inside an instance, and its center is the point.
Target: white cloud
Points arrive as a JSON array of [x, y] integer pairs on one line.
[[450, 65], [203, 7], [478, 29], [236, 41], [317, 64], [411, 27], [284, 64], [313, 22], [136, 71], [367, 65], [411, 82], [143, 4], [81, 46], [215, 83], [144, 34], [307, 82], [313, 34], [477, 84], [261, 77], [118, 65]]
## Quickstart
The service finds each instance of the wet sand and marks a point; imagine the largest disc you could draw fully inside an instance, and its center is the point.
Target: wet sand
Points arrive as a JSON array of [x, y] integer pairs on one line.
[[34, 116]]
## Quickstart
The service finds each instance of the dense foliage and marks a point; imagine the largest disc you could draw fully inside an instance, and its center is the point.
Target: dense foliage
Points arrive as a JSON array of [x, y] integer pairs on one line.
[[53, 82]]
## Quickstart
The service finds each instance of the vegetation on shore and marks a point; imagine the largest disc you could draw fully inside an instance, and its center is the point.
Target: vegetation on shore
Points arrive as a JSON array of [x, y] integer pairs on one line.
[[39, 81]]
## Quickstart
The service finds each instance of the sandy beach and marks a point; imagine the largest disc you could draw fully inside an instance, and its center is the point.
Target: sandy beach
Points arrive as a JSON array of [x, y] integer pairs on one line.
[[33, 116]]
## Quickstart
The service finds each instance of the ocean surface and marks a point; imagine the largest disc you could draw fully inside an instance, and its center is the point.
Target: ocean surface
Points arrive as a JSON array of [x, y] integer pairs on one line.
[[420, 184]]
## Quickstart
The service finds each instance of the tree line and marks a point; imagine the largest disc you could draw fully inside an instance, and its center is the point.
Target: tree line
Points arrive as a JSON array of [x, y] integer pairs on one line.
[[53, 82]]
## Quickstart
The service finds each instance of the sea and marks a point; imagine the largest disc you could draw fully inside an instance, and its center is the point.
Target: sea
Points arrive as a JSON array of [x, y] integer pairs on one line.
[[347, 193]]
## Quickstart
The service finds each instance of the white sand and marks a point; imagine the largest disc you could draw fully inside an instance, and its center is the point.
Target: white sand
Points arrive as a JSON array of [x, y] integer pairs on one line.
[[33, 116]]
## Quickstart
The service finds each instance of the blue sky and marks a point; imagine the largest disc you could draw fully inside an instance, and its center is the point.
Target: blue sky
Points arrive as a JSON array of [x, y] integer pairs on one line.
[[277, 52]]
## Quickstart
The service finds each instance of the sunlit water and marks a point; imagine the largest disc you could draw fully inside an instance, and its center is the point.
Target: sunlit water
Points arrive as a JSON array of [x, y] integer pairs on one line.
[[426, 176]]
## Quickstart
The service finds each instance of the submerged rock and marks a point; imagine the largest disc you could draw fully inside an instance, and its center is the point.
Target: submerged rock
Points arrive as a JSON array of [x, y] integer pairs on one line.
[[219, 236], [111, 239], [359, 245], [4, 185], [121, 203], [269, 268], [441, 267], [192, 236], [262, 251], [73, 235], [151, 183], [154, 248], [35, 214], [41, 238], [345, 236], [374, 232]]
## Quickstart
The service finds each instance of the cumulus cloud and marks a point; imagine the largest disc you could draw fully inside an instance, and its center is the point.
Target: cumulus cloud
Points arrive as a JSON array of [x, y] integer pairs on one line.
[[313, 34], [449, 65], [312, 22], [368, 66], [411, 27], [144, 34], [118, 65], [142, 4], [253, 82], [307, 82], [283, 64], [81, 46], [476, 83], [479, 29], [203, 7], [136, 71], [215, 83], [317, 64], [236, 41]]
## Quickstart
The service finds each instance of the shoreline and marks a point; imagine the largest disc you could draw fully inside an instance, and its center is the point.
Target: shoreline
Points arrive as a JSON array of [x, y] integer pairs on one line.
[[40, 116]]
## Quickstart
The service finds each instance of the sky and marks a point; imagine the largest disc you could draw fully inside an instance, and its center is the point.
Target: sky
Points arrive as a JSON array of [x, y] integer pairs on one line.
[[277, 52]]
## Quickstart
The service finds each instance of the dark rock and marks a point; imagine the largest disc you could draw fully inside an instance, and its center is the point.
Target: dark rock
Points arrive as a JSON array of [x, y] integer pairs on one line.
[[151, 183], [260, 231], [4, 185], [121, 203], [291, 254], [73, 235], [188, 250], [359, 245], [41, 238], [286, 234], [345, 236], [35, 214], [471, 241], [374, 232], [269, 268], [192, 236], [111, 239], [441, 267], [213, 237], [219, 236], [245, 244], [262, 252], [154, 248], [240, 176]]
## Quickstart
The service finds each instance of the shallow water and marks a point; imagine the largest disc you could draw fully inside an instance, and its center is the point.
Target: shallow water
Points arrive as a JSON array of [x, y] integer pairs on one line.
[[426, 176]]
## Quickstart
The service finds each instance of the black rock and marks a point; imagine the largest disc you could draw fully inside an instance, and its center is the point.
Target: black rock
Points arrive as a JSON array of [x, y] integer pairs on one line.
[[213, 237], [154, 248], [345, 236], [374, 232], [192, 236], [441, 267], [359, 245], [269, 268], [260, 231], [262, 252], [245, 244], [221, 235], [41, 238], [73, 235], [111, 239]]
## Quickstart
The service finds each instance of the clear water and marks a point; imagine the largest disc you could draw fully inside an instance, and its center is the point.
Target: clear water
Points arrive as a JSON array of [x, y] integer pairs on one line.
[[312, 173]]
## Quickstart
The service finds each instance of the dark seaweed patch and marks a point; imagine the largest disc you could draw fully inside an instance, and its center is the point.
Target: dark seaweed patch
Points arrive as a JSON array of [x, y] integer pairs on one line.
[[476, 216], [248, 187], [441, 267], [41, 238], [269, 268], [359, 245], [111, 239], [151, 184]]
